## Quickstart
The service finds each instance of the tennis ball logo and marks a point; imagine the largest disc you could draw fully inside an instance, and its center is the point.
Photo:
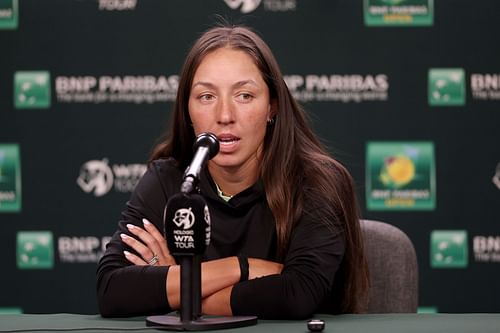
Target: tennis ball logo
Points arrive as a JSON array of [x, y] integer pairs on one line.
[[397, 171]]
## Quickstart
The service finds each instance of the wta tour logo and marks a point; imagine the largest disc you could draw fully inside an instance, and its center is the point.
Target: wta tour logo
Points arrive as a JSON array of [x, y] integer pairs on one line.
[[400, 176], [184, 239], [10, 178], [449, 249], [8, 14], [32, 90], [98, 177], [184, 218], [248, 6], [398, 12], [496, 177], [245, 6], [446, 87], [35, 250]]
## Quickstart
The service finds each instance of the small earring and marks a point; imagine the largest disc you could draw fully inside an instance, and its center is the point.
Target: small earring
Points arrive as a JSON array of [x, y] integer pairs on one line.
[[270, 122]]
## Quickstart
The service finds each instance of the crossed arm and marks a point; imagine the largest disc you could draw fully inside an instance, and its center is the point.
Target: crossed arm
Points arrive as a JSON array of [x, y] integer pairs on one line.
[[218, 276]]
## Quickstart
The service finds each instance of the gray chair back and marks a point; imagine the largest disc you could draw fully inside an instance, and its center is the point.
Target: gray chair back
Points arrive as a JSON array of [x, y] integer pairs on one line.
[[393, 268]]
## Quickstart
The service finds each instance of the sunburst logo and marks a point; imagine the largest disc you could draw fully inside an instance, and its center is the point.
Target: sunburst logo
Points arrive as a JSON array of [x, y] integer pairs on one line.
[[397, 171], [400, 176]]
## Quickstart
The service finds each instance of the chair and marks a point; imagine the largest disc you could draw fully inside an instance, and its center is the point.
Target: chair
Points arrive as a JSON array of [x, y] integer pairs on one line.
[[393, 268]]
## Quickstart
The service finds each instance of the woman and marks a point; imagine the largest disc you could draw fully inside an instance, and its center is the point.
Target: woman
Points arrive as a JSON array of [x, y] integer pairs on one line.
[[274, 194]]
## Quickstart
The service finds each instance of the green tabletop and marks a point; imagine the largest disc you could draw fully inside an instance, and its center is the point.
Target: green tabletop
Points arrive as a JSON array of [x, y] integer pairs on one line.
[[418, 323]]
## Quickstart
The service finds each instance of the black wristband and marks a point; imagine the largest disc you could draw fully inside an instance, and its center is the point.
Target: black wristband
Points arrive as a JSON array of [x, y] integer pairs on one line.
[[243, 260]]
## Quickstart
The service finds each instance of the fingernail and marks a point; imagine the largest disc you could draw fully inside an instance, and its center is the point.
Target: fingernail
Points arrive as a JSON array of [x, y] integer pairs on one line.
[[146, 222], [123, 236], [126, 253], [130, 226]]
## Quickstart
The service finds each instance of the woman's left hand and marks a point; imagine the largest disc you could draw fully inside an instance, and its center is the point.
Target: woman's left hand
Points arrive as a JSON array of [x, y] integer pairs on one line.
[[150, 245]]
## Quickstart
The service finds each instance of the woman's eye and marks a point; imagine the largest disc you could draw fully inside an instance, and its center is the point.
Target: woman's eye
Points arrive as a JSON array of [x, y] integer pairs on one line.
[[206, 97], [245, 97]]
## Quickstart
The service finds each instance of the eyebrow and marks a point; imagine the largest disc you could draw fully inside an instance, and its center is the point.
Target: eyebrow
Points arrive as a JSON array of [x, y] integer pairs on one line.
[[235, 85]]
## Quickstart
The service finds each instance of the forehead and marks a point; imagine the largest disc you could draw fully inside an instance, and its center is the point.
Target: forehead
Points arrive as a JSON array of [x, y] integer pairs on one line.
[[227, 63]]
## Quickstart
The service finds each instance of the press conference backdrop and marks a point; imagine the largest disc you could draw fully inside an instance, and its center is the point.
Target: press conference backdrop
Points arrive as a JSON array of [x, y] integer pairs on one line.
[[406, 93]]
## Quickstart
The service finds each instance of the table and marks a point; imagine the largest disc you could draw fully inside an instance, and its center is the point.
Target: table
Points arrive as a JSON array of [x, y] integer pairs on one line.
[[372, 323]]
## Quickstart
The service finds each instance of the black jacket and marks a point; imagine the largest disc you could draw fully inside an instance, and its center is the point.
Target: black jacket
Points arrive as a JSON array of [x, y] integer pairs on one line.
[[244, 225]]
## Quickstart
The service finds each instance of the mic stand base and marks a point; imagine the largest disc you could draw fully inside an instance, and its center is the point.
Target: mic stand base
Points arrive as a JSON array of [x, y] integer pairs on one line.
[[174, 323]]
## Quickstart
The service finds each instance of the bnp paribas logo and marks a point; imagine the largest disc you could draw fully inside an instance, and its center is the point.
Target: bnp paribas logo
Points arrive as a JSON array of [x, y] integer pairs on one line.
[[398, 12], [449, 249], [446, 86], [8, 14], [32, 90], [400, 176], [35, 250], [10, 178]]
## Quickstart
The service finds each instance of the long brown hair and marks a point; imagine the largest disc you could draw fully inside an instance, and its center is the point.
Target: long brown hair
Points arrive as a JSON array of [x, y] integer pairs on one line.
[[293, 158]]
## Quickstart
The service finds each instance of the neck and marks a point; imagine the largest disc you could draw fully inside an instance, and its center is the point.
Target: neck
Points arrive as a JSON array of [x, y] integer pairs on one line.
[[233, 181]]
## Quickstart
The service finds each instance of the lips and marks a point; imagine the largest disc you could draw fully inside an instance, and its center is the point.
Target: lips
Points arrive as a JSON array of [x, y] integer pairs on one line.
[[227, 141]]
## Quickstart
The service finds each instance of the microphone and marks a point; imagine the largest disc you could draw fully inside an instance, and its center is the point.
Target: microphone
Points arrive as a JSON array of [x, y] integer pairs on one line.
[[186, 221], [205, 147]]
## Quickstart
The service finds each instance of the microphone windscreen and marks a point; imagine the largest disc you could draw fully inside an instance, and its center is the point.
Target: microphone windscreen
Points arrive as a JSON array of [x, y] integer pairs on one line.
[[187, 224], [208, 140]]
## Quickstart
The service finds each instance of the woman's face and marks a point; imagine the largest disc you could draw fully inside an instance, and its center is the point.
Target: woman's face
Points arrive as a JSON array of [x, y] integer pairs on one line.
[[230, 99]]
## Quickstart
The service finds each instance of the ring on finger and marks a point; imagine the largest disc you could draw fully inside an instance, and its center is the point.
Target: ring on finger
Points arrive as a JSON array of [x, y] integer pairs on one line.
[[153, 261]]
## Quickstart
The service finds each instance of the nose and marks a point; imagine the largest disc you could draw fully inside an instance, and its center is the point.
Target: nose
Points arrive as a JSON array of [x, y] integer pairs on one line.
[[225, 112]]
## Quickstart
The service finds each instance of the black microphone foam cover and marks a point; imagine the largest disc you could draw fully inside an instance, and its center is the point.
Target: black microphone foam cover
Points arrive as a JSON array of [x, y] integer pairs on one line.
[[209, 140], [187, 224]]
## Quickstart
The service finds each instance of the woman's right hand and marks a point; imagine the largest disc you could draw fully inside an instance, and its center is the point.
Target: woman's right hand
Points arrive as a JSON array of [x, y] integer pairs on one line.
[[259, 268]]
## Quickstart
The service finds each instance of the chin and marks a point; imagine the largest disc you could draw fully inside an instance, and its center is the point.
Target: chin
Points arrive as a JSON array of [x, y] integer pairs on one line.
[[225, 162]]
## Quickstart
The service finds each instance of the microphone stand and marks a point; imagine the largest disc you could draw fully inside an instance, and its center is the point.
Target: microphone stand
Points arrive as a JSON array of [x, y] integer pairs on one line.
[[191, 318], [190, 288]]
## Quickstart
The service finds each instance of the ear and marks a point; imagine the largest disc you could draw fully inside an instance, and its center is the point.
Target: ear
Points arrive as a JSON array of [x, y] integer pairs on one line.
[[272, 108]]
